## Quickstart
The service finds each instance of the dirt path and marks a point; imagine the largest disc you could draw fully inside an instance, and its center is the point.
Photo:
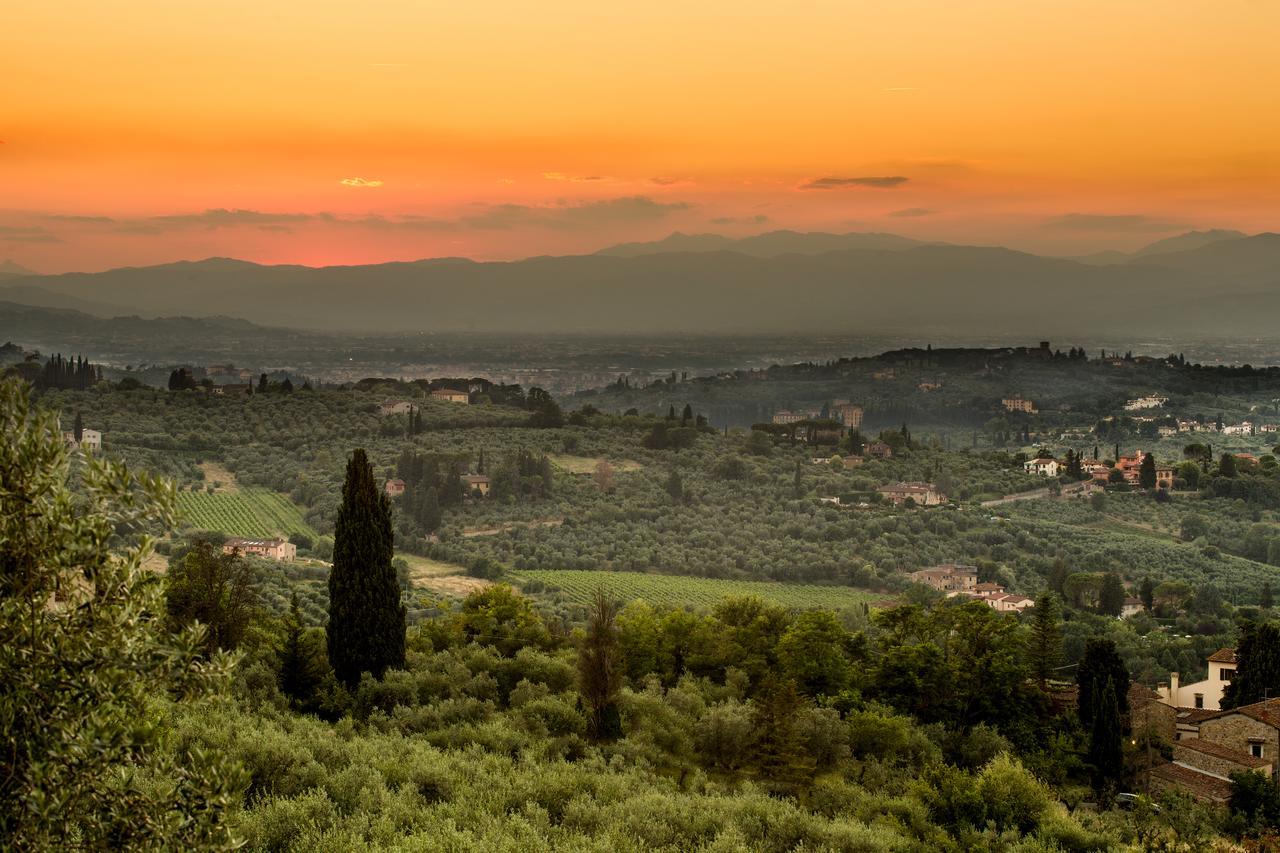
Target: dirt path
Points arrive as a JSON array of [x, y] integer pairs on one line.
[[441, 578], [1033, 495]]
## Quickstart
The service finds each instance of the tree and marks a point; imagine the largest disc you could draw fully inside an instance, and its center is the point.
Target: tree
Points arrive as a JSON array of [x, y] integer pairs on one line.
[[1100, 662], [214, 589], [262, 384], [431, 515], [1147, 592], [86, 667], [78, 429], [1046, 642], [1266, 598], [600, 669], [366, 630], [812, 652], [675, 487], [1111, 596], [300, 673], [1103, 707], [1257, 675], [1058, 574], [1147, 471], [1226, 465], [603, 476]]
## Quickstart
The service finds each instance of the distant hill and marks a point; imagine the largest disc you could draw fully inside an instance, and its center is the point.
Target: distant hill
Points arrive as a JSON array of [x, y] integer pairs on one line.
[[768, 245], [955, 288], [1187, 242], [12, 268]]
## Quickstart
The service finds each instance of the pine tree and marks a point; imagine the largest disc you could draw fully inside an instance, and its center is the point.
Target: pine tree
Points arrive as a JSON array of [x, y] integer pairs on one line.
[[366, 630], [1046, 642]]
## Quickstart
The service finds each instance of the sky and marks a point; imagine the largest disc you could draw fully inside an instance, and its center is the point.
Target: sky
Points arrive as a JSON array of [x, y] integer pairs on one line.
[[321, 132]]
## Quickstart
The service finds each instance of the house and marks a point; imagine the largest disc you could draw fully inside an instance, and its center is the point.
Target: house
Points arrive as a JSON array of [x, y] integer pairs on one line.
[[786, 416], [273, 549], [1043, 467], [1149, 402], [1242, 428], [449, 395], [877, 449], [1008, 602], [1268, 428], [834, 501], [395, 488], [233, 389], [1240, 740], [1164, 476], [949, 578], [848, 414], [472, 483], [1205, 694], [1131, 607], [1018, 404], [921, 494], [926, 387], [1167, 431], [90, 439], [395, 407]]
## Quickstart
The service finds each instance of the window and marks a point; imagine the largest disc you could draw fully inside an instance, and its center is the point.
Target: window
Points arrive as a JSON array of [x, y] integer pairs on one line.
[[1199, 700], [1225, 674], [1255, 749]]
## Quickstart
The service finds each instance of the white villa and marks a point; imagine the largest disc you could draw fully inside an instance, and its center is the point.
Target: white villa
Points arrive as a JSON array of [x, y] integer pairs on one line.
[[1043, 467], [1205, 694]]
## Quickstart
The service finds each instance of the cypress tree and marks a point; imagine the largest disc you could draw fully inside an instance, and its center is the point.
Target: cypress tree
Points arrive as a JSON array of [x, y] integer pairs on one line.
[[1046, 643], [1266, 599], [1257, 666], [600, 670], [1147, 472], [78, 430], [298, 676], [1111, 596], [1106, 751], [366, 618]]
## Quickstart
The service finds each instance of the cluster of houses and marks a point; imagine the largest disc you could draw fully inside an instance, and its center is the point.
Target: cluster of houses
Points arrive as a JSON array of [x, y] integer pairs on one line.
[[1151, 401], [280, 550], [918, 493], [962, 581], [1129, 466], [1210, 743]]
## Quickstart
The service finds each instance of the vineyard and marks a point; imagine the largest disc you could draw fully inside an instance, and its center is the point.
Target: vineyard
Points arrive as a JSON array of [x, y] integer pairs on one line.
[[248, 512], [680, 591]]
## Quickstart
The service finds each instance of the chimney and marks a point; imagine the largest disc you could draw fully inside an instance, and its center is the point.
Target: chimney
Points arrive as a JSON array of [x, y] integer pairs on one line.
[[1173, 689]]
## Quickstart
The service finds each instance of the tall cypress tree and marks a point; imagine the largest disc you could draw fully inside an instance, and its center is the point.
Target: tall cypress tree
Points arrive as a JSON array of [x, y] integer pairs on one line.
[[1046, 643], [366, 618], [1106, 750], [1257, 666]]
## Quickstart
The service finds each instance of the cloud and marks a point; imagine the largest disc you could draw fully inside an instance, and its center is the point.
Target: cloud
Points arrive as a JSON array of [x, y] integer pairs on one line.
[[573, 214], [575, 179], [911, 212], [669, 181], [360, 182], [217, 218], [876, 182], [84, 220], [24, 234], [1111, 222], [758, 219]]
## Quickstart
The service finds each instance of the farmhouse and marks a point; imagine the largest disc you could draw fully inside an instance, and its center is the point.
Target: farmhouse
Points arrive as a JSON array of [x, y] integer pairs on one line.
[[949, 577], [1008, 602], [921, 494], [877, 450], [786, 416], [232, 389], [1131, 607], [395, 407], [1205, 694], [1043, 467], [1240, 740], [1149, 402], [90, 439], [449, 395], [1018, 404], [472, 483], [395, 488], [272, 549]]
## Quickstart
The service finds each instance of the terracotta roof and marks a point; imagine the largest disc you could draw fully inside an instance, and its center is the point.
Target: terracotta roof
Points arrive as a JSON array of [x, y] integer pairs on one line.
[[1208, 747], [1223, 656], [1193, 716], [1267, 712], [1200, 785]]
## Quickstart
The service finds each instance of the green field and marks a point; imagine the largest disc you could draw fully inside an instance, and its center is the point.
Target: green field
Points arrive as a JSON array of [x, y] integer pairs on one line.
[[680, 591], [247, 512]]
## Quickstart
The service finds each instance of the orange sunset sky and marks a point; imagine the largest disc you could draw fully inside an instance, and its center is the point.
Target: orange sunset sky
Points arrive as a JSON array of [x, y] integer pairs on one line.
[[320, 132]]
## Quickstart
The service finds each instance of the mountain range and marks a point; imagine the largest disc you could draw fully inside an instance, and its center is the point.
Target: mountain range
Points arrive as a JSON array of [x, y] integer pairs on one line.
[[1204, 282]]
